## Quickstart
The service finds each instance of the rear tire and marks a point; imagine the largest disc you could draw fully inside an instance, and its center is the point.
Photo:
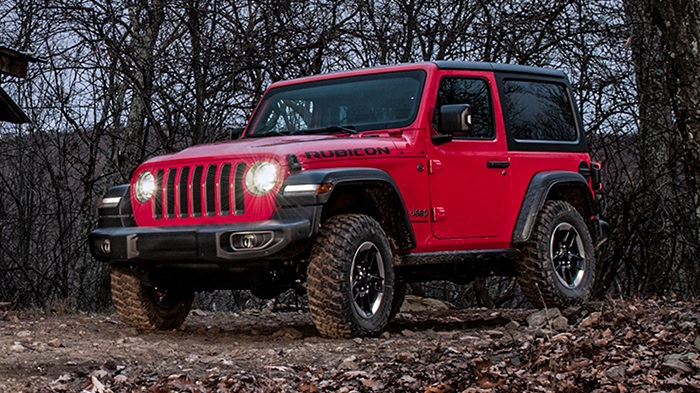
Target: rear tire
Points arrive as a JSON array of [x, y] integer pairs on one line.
[[397, 300], [558, 266], [350, 277], [148, 308]]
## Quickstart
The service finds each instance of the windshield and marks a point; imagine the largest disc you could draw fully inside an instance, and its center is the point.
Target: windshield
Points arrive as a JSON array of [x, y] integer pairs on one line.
[[343, 105]]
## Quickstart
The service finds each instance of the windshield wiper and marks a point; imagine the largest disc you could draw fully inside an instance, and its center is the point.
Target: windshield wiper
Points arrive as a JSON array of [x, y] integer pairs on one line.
[[269, 133], [331, 130], [311, 131]]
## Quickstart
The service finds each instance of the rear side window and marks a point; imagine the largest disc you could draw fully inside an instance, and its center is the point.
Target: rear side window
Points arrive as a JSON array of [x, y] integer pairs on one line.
[[539, 111]]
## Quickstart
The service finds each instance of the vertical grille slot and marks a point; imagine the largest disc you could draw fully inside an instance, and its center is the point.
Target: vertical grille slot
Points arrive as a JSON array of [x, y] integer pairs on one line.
[[210, 190], [170, 193], [225, 190], [197, 191], [239, 197], [158, 197], [184, 192]]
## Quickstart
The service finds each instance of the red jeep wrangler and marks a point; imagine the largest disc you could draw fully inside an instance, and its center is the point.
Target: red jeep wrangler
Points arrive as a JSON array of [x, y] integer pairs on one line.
[[353, 184]]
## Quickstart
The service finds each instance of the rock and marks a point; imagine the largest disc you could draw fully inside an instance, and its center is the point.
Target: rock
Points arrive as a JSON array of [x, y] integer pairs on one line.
[[560, 323], [512, 326], [591, 320], [404, 357], [133, 340], [357, 340], [349, 363], [495, 334], [616, 372], [24, 333], [99, 374], [39, 347], [121, 378], [17, 348], [408, 333], [674, 365], [413, 303], [288, 333], [198, 312], [539, 319]]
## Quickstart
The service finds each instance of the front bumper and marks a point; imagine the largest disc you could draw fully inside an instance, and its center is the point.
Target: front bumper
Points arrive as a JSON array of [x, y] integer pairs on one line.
[[205, 243]]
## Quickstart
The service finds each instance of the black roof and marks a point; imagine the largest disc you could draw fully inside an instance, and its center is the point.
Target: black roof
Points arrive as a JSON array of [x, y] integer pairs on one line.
[[498, 67]]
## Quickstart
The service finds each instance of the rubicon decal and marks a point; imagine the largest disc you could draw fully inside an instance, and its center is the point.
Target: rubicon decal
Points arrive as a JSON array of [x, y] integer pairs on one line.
[[358, 152]]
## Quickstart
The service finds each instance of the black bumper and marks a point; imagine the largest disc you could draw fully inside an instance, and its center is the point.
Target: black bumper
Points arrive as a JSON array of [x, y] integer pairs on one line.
[[206, 243]]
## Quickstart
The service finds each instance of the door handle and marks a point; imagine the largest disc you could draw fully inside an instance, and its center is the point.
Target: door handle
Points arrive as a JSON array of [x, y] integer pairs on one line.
[[497, 164]]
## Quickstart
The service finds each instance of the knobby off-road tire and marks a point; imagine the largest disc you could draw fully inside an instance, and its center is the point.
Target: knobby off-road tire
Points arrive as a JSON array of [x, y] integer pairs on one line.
[[147, 308], [350, 277], [558, 266], [398, 298]]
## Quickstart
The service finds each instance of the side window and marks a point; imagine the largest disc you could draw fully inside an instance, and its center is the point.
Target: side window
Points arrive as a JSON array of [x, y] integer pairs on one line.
[[539, 111], [474, 92]]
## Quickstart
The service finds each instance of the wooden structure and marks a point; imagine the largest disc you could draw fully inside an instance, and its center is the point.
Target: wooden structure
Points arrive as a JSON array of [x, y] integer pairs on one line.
[[13, 63]]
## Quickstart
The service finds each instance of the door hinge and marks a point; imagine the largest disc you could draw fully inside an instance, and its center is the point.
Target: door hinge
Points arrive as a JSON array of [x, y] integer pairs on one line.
[[434, 166], [438, 214]]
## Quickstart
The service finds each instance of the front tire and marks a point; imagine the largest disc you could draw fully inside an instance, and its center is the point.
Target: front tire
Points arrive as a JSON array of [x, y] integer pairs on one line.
[[350, 277], [148, 308], [558, 266]]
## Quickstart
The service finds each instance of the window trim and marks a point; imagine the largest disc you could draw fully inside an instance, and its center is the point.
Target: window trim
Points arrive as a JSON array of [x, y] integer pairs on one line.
[[541, 145], [491, 108], [420, 75]]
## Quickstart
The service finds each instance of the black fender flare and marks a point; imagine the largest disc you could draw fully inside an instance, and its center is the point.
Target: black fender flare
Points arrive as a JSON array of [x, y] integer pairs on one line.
[[537, 192], [335, 178], [119, 213]]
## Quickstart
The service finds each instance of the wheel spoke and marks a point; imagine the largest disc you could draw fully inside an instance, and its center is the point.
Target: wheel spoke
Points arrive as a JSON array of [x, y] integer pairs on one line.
[[571, 236], [570, 276], [577, 259], [558, 264]]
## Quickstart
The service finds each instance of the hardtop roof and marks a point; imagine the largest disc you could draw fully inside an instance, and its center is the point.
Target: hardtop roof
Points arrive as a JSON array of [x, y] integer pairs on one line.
[[499, 67]]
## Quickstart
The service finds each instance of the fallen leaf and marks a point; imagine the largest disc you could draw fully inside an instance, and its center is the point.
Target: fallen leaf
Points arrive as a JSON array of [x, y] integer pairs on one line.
[[440, 388]]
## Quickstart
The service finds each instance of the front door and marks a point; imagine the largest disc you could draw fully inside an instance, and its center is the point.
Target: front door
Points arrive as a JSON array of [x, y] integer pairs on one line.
[[469, 176]]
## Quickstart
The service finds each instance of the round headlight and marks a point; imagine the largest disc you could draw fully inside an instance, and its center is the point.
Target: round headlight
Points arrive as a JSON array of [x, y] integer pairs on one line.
[[261, 177], [145, 186]]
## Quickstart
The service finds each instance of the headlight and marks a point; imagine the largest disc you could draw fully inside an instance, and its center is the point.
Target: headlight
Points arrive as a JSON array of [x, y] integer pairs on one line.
[[261, 177], [145, 186]]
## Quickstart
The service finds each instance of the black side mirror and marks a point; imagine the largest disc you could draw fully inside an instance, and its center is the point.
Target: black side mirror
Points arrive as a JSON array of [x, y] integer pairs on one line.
[[455, 118], [236, 132]]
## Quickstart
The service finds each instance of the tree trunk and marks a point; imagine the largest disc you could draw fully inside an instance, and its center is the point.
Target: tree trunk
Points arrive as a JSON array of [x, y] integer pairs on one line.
[[658, 143], [146, 19], [678, 23]]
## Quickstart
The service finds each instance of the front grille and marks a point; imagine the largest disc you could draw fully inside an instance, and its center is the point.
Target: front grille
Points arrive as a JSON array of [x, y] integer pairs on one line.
[[199, 190]]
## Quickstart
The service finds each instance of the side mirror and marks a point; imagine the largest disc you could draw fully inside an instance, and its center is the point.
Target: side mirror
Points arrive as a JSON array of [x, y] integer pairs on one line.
[[455, 118], [236, 132]]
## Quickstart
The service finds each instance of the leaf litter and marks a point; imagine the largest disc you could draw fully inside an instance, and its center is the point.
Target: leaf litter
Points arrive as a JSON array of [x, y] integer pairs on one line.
[[650, 345]]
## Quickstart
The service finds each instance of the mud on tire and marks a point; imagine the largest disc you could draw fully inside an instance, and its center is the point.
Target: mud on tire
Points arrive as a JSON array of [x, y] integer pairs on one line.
[[558, 266], [147, 308], [350, 277]]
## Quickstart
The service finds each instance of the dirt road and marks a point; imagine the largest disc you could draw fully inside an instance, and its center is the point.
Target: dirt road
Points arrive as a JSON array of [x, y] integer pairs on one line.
[[613, 346]]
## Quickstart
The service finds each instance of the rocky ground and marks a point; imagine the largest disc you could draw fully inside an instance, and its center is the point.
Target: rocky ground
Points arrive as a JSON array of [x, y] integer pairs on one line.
[[614, 346]]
